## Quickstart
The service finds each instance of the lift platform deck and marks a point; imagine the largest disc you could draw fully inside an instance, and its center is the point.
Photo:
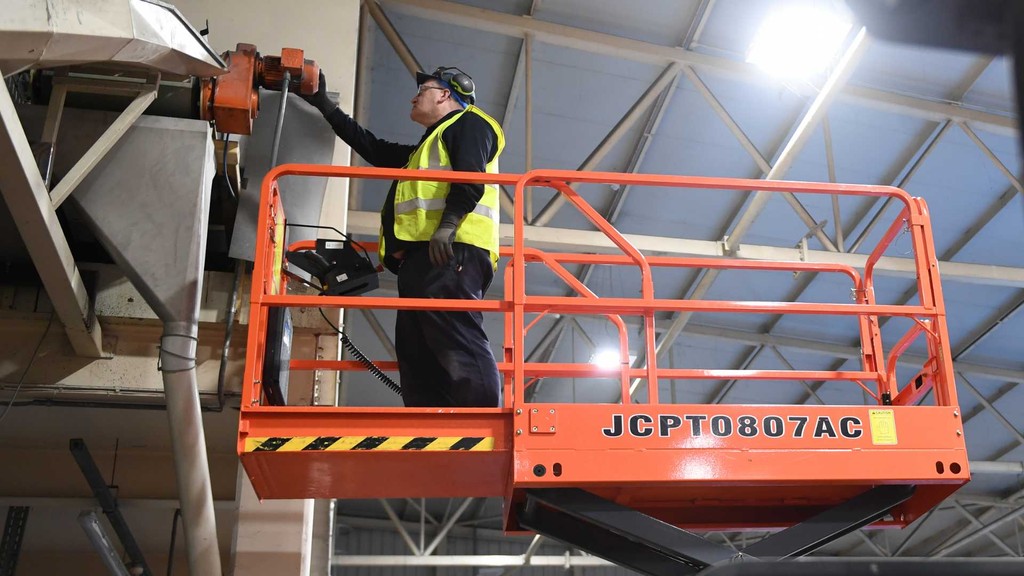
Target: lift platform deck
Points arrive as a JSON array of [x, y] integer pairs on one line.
[[562, 466]]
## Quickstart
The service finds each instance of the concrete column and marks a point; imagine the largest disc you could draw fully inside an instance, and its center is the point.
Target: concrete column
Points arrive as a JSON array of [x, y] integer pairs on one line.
[[272, 537]]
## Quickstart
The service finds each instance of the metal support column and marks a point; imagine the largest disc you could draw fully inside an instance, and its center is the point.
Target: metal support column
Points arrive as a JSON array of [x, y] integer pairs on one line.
[[10, 542], [27, 199], [109, 504]]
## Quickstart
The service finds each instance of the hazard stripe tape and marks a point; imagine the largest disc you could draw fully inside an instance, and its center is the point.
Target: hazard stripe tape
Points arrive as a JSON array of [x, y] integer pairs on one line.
[[379, 443]]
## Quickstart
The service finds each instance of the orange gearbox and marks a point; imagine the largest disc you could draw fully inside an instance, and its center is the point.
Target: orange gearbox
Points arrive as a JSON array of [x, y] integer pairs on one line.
[[232, 100]]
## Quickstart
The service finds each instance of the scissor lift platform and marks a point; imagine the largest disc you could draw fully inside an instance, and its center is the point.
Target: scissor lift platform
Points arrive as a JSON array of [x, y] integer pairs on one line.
[[566, 469]]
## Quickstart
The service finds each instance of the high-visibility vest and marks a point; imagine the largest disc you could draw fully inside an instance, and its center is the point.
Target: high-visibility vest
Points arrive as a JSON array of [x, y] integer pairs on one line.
[[419, 205]]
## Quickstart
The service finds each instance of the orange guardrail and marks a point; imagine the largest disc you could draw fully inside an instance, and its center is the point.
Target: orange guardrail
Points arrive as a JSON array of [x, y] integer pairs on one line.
[[694, 465]]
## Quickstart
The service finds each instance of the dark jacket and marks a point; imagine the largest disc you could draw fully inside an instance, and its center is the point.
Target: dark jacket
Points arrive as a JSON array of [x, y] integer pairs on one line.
[[471, 144]]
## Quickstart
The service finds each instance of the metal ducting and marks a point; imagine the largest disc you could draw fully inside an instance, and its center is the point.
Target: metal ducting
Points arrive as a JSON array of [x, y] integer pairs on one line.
[[135, 33]]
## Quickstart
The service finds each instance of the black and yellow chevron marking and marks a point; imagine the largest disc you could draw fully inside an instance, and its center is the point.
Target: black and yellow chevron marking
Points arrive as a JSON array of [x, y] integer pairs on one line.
[[329, 443]]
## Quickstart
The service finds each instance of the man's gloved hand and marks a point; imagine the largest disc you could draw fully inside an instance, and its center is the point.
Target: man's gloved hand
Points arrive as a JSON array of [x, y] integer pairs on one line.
[[319, 99], [441, 242]]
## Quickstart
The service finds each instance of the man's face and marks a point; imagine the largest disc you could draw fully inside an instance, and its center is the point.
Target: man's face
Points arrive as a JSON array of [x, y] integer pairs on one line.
[[426, 103]]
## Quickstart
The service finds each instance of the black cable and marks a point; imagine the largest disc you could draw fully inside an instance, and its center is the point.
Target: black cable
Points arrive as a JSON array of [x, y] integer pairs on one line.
[[31, 361], [174, 537], [361, 358]]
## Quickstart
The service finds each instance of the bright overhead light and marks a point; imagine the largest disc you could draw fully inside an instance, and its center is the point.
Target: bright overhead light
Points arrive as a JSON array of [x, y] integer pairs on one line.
[[606, 359], [609, 358], [798, 40]]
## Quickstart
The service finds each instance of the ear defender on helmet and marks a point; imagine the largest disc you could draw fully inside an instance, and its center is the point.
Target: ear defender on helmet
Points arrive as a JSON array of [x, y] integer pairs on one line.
[[460, 82]]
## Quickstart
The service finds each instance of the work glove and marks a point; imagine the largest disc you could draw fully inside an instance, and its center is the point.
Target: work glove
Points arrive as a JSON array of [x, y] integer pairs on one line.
[[441, 242], [319, 99]]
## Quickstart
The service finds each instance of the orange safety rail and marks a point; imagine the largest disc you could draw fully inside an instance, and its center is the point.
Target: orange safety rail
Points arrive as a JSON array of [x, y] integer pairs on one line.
[[697, 466]]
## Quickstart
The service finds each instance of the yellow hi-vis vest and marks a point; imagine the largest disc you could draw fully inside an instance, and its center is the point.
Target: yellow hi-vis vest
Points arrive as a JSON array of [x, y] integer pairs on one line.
[[420, 204]]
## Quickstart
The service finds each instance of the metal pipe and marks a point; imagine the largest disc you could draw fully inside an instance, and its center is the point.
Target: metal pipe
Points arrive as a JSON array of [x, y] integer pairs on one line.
[[188, 444], [280, 118]]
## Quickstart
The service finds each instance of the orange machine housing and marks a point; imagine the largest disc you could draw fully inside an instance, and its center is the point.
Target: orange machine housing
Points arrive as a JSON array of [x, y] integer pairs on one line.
[[695, 466], [232, 100]]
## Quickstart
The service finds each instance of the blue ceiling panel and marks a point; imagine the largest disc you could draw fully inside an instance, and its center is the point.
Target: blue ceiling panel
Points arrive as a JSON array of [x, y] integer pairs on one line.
[[515, 7], [993, 92], [691, 141], [489, 58], [659, 21], [969, 306], [906, 68], [766, 112], [866, 142]]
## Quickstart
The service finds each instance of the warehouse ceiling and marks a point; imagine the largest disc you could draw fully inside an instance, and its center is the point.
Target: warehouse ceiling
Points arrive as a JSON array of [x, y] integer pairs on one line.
[[662, 87]]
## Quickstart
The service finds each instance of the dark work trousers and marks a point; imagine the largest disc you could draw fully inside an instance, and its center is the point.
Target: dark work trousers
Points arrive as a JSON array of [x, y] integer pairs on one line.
[[444, 358]]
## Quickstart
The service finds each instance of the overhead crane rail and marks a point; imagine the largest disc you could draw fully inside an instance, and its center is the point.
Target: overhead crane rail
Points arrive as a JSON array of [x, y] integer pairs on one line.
[[693, 466]]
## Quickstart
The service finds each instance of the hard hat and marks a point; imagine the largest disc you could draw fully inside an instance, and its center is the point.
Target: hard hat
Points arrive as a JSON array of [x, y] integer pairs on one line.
[[461, 84]]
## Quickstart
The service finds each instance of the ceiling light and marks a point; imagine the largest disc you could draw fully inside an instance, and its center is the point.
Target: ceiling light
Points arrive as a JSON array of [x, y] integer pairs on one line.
[[609, 358], [798, 40]]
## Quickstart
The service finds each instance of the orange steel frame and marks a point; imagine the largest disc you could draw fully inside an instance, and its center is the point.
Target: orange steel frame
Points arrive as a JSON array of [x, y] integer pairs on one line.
[[697, 466]]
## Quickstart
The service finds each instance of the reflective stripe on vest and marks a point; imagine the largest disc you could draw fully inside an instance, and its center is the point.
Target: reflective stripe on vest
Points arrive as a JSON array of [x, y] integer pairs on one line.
[[420, 205]]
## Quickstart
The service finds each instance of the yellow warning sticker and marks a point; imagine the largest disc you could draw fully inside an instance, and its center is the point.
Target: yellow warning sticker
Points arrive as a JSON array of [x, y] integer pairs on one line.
[[275, 285], [883, 426]]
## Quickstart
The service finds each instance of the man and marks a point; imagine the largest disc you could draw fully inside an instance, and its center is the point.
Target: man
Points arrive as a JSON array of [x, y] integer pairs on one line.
[[440, 239]]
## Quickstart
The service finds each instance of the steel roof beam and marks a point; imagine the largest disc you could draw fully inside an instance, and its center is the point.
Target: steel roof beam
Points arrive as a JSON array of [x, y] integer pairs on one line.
[[977, 523], [626, 123], [570, 240], [790, 150], [619, 47]]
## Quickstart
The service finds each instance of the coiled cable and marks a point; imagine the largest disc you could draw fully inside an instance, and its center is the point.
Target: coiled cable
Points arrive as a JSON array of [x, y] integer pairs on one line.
[[361, 358]]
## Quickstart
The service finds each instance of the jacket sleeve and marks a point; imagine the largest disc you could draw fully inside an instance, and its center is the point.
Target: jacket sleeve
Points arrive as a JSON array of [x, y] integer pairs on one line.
[[471, 144], [380, 153]]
